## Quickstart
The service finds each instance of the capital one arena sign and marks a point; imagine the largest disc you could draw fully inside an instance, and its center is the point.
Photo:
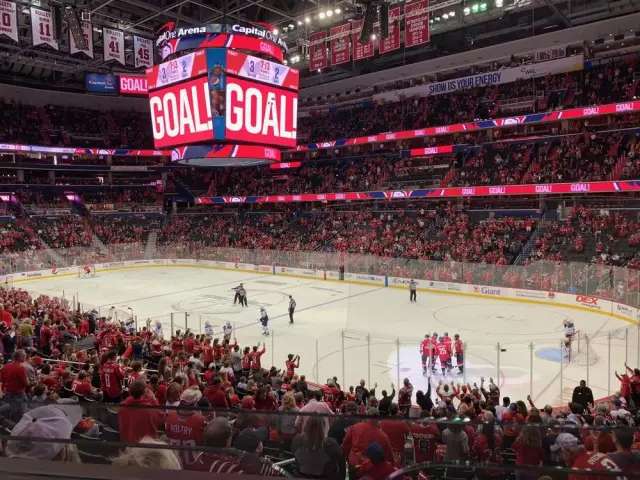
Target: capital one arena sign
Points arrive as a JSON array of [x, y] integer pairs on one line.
[[244, 111]]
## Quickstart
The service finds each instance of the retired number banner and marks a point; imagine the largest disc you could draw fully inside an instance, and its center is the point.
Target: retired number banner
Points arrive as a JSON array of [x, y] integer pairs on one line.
[[318, 51], [392, 42], [340, 51], [87, 32], [113, 41], [8, 20], [360, 50], [42, 28], [416, 23], [142, 52]]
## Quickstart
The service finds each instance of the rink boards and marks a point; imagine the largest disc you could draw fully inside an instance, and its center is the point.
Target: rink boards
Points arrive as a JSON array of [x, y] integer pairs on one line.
[[575, 301]]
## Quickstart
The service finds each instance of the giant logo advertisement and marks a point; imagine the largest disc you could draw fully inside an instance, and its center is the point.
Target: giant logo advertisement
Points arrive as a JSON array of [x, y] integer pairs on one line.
[[258, 113]]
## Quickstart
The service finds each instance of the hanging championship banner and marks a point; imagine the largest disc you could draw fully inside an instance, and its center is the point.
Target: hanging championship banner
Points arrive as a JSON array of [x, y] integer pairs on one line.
[[113, 43], [360, 50], [87, 32], [416, 23], [340, 51], [392, 42], [318, 51], [8, 20], [142, 52], [42, 28]]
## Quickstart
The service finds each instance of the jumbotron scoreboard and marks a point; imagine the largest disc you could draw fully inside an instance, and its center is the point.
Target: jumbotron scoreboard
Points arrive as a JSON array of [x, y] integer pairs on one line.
[[224, 106]]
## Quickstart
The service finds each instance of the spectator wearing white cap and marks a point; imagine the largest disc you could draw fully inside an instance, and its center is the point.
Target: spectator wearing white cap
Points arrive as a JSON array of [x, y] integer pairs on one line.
[[185, 427], [55, 422], [163, 459]]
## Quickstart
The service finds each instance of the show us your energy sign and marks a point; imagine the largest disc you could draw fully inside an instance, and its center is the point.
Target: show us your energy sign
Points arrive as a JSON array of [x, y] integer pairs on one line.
[[248, 100]]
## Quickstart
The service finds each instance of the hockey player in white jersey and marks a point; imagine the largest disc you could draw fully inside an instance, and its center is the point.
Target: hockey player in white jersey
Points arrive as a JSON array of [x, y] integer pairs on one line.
[[227, 330], [569, 329], [208, 329], [157, 329], [264, 321]]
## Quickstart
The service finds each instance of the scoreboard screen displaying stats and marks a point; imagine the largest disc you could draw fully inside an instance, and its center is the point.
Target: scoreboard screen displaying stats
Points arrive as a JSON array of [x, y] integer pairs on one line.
[[223, 95]]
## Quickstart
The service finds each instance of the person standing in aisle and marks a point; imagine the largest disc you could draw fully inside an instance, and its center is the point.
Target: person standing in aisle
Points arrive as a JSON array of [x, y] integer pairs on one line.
[[413, 287], [292, 309]]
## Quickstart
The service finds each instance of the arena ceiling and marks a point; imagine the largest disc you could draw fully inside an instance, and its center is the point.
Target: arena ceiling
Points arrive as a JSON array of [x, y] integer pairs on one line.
[[26, 64]]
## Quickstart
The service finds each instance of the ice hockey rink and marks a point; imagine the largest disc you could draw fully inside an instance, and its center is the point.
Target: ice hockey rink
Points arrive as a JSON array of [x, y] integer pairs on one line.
[[365, 332]]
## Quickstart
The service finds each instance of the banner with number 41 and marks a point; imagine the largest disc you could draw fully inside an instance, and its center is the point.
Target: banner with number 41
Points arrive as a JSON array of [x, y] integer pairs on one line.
[[113, 42]]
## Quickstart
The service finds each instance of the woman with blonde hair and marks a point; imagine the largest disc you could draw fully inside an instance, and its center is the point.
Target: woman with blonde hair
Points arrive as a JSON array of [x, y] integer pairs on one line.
[[159, 458], [316, 455], [286, 420], [529, 451]]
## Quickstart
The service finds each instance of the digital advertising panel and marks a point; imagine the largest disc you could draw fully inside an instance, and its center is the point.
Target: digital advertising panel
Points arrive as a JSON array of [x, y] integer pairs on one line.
[[133, 84], [177, 70], [223, 96], [259, 113], [101, 83], [254, 68], [181, 114]]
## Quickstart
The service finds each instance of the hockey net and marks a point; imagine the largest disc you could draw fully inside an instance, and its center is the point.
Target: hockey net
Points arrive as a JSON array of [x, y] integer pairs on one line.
[[581, 351], [87, 271]]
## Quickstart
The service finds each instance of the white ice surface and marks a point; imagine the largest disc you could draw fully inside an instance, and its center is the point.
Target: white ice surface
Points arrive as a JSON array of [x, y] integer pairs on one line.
[[360, 331]]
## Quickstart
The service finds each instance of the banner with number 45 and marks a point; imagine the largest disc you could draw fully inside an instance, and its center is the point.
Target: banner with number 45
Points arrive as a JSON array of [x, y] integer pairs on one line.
[[142, 52]]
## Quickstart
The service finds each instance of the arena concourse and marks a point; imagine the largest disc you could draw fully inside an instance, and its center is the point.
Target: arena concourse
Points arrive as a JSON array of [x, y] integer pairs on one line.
[[417, 254]]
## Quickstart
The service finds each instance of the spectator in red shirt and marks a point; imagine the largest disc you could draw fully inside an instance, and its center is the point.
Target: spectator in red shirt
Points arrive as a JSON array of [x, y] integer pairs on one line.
[[404, 397], [82, 386], [111, 378], [216, 395], [5, 316], [138, 422], [159, 388], [376, 467], [14, 384], [46, 334], [529, 452], [185, 428], [359, 437], [397, 431], [255, 357], [291, 364]]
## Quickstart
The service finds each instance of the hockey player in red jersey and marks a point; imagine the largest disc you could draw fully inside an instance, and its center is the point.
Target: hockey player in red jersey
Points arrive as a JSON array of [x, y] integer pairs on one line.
[[443, 350], [458, 346], [434, 356], [425, 351]]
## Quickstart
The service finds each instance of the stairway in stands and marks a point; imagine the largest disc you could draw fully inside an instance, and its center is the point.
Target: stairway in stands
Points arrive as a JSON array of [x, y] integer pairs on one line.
[[524, 254], [151, 245]]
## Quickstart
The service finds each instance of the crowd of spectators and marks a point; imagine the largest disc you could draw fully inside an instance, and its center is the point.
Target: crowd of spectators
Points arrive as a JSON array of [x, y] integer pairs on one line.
[[230, 412], [114, 229], [581, 157], [600, 84], [445, 233], [587, 156], [68, 126], [598, 236]]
